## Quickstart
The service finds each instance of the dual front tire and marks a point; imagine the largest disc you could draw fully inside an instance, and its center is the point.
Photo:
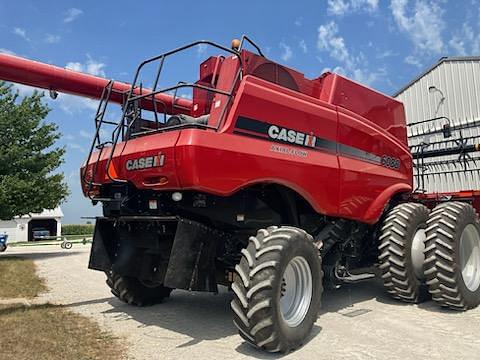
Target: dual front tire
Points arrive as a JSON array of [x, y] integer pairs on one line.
[[435, 254], [452, 256], [401, 249]]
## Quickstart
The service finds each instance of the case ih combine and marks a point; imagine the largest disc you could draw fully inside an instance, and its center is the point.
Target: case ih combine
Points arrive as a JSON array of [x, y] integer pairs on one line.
[[266, 182]]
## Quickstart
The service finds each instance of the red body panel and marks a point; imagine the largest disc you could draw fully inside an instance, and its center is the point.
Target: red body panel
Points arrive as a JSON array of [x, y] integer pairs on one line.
[[335, 180], [226, 162], [363, 182], [152, 145], [340, 145], [379, 109], [431, 200]]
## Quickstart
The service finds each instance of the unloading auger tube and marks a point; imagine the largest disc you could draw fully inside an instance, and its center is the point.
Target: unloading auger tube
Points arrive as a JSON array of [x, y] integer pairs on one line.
[[53, 78]]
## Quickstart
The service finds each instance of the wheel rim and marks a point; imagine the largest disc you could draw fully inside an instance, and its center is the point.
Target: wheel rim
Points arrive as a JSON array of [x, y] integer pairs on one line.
[[470, 257], [296, 291], [417, 253]]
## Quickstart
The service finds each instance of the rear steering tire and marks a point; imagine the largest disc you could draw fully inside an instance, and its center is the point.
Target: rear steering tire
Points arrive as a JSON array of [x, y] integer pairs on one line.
[[278, 289], [452, 265], [134, 292], [402, 242]]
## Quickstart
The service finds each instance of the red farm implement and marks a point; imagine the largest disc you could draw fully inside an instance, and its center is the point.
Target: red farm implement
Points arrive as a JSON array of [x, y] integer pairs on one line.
[[269, 183]]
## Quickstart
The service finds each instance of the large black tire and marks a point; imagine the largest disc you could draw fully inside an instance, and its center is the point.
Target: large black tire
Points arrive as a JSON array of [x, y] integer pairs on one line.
[[402, 269], [448, 223], [3, 247], [133, 292], [260, 285], [330, 238], [334, 233]]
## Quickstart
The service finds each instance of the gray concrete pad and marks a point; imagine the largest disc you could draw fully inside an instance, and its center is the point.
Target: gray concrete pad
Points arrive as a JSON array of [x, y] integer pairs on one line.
[[356, 322]]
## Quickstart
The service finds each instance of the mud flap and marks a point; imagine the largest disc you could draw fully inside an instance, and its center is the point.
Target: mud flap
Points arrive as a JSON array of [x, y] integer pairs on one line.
[[136, 248], [192, 260], [99, 257]]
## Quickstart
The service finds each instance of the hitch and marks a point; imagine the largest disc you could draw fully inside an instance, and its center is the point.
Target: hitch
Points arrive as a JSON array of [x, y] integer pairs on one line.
[[343, 275]]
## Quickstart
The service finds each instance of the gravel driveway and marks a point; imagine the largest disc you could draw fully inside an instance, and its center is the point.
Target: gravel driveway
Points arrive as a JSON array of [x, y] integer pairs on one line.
[[356, 322]]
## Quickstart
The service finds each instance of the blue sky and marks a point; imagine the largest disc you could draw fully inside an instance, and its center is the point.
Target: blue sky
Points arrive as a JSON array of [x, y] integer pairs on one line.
[[381, 43]]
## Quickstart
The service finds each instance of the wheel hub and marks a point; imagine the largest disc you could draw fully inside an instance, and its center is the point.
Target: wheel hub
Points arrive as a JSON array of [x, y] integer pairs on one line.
[[470, 257], [417, 255], [296, 291]]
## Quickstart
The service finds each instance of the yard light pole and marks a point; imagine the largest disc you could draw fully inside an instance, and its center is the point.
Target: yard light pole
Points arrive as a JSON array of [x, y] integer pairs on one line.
[[432, 89]]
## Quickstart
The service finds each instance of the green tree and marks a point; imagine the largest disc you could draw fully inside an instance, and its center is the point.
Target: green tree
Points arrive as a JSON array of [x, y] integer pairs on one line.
[[28, 157]]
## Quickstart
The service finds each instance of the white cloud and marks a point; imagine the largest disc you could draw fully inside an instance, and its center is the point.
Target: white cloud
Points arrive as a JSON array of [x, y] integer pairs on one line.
[[85, 134], [201, 49], [75, 66], [52, 39], [78, 147], [91, 66], [465, 42], [6, 51], [286, 52], [458, 45], [72, 14], [72, 104], [422, 22], [368, 77], [337, 7], [22, 33], [413, 60], [329, 40], [385, 54], [342, 7], [303, 46], [299, 21]]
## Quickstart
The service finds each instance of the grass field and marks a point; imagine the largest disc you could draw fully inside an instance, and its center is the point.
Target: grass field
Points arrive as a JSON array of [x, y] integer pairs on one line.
[[18, 278], [50, 332], [45, 331]]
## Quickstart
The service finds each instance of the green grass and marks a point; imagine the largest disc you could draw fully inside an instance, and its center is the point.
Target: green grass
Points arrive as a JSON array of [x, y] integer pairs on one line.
[[18, 278], [51, 332]]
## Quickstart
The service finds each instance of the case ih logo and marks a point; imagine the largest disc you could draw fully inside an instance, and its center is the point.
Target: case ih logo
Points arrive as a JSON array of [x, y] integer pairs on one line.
[[145, 162], [291, 136]]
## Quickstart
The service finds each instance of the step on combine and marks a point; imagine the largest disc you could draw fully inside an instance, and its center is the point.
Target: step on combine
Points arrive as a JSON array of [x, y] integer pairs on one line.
[[266, 182]]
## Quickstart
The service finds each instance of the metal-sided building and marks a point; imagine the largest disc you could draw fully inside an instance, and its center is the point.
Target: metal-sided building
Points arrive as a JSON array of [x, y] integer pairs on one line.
[[448, 92], [22, 228]]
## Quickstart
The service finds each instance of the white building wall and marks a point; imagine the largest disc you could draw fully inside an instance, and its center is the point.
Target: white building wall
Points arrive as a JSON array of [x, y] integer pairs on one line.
[[10, 228], [59, 226], [17, 229], [459, 80]]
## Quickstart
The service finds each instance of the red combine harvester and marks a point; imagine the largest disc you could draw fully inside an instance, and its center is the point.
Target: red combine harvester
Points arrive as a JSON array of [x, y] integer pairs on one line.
[[266, 182]]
